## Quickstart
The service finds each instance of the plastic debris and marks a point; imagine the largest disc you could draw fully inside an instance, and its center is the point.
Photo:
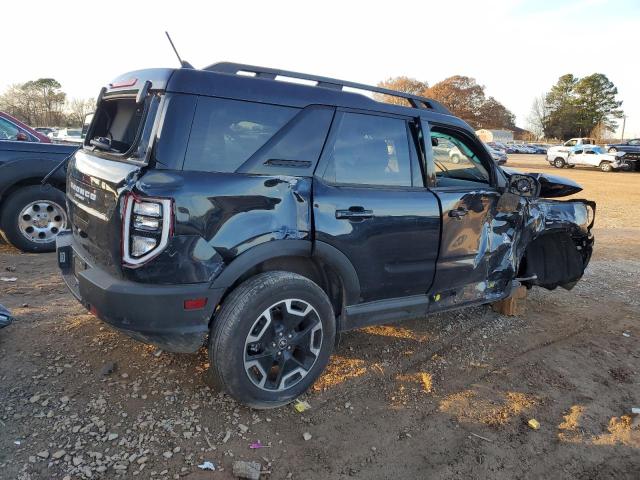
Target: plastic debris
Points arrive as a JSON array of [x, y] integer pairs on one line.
[[307, 436], [301, 406], [635, 410], [9, 279], [248, 470], [227, 436], [258, 444], [207, 466], [534, 424], [17, 442], [626, 334]]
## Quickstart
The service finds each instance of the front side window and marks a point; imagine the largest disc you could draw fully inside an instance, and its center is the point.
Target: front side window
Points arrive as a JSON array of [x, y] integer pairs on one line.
[[226, 133], [456, 161], [370, 150], [8, 131]]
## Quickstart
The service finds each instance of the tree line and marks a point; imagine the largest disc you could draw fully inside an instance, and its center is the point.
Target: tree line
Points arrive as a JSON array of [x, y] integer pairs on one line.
[[42, 103], [463, 96], [577, 107]]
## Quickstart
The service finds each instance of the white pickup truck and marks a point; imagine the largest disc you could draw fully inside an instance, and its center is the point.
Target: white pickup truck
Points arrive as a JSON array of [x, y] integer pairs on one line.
[[588, 155], [566, 148]]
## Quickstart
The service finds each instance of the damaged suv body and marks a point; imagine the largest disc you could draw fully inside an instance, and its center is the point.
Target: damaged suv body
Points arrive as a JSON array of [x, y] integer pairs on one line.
[[231, 207]]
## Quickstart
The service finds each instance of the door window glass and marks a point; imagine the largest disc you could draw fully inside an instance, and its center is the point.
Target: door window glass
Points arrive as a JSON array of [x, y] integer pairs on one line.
[[370, 150], [8, 131], [456, 162]]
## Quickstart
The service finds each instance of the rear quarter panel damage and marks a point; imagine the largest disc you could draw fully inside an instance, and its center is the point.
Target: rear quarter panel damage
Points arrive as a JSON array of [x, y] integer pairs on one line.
[[219, 216]]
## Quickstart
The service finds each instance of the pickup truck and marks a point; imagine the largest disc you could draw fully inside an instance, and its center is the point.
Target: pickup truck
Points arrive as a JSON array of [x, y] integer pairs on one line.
[[566, 148], [590, 156], [31, 214]]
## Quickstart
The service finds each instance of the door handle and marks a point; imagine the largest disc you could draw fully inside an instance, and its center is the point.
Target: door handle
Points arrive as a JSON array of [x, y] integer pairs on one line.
[[458, 212], [354, 213]]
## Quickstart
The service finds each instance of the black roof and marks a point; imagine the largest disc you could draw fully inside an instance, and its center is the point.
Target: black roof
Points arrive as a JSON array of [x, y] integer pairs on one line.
[[229, 80]]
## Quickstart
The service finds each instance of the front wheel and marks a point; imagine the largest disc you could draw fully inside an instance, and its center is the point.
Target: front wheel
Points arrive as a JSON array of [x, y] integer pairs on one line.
[[612, 150], [32, 217], [271, 339], [559, 162]]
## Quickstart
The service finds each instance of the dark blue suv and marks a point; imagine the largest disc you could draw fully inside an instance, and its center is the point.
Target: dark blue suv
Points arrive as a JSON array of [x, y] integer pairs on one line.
[[261, 212]]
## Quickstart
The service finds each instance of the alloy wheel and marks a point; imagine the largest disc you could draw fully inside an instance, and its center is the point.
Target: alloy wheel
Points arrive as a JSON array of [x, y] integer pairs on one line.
[[40, 221], [283, 345]]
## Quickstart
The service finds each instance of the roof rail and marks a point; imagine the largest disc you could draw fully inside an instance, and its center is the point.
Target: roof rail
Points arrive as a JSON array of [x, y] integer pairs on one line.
[[415, 101]]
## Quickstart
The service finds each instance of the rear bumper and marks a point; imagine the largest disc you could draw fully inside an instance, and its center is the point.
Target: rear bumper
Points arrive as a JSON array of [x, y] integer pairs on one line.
[[152, 314]]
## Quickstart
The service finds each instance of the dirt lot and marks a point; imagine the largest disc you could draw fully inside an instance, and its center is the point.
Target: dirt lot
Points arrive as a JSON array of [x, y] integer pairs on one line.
[[444, 397]]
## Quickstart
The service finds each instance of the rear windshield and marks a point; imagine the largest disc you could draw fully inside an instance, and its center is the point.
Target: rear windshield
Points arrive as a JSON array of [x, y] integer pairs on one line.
[[119, 121]]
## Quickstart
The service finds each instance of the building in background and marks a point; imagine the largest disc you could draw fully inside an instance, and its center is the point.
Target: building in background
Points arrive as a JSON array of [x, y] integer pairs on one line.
[[502, 136]]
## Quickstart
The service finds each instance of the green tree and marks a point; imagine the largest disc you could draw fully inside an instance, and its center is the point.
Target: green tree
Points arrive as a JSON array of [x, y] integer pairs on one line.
[[596, 102], [37, 102], [574, 107]]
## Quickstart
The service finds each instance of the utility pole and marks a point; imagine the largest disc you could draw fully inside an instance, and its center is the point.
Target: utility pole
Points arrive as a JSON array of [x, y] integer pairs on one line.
[[624, 121]]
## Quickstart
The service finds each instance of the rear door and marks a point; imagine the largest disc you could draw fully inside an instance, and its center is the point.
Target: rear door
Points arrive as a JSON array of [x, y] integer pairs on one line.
[[477, 230], [370, 203]]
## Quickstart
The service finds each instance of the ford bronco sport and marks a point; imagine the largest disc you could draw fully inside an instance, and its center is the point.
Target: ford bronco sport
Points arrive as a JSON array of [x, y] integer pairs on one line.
[[261, 212]]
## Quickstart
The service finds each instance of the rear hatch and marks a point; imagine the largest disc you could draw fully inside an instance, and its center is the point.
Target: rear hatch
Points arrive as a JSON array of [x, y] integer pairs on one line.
[[115, 150]]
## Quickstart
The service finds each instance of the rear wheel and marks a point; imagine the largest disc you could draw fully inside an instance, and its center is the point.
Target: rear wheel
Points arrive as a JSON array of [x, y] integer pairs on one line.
[[271, 339], [606, 167], [455, 158], [32, 217], [559, 162], [612, 150]]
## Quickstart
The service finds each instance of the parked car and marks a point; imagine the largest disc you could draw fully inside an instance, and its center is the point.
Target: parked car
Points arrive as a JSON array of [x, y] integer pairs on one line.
[[12, 129], [537, 149], [589, 155], [31, 214], [569, 144], [45, 130], [67, 135], [499, 157], [262, 217], [630, 147]]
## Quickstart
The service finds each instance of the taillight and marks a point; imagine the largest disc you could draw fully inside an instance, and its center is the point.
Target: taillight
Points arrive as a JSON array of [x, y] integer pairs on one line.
[[146, 227]]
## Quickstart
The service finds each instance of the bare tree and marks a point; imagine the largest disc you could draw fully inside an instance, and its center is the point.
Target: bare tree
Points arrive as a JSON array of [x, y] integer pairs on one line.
[[537, 116], [77, 109]]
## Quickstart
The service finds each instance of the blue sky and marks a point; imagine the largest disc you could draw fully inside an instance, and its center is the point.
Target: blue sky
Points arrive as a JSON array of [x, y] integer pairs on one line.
[[517, 49]]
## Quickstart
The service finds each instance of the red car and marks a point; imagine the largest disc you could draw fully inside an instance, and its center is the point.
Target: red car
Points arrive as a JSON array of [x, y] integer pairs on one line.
[[13, 129]]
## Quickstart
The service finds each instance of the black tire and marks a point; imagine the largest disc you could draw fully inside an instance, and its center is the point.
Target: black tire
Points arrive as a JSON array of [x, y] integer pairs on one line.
[[239, 320], [559, 162], [14, 205], [606, 167], [612, 150]]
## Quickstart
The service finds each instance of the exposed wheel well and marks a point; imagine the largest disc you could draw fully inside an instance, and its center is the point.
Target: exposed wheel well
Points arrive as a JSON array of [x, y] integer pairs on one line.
[[554, 258]]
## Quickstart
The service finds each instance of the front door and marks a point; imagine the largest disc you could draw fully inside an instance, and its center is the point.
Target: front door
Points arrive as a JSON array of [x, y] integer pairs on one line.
[[478, 227], [370, 204]]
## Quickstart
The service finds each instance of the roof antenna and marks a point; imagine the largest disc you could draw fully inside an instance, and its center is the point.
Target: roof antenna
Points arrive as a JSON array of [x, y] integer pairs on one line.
[[183, 63]]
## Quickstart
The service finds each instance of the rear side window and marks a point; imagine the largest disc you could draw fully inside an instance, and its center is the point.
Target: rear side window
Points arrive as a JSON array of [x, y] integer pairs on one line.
[[226, 133], [370, 150]]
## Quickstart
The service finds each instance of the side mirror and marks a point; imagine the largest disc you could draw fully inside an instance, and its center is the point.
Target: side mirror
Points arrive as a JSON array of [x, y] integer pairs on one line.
[[523, 185], [22, 137]]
